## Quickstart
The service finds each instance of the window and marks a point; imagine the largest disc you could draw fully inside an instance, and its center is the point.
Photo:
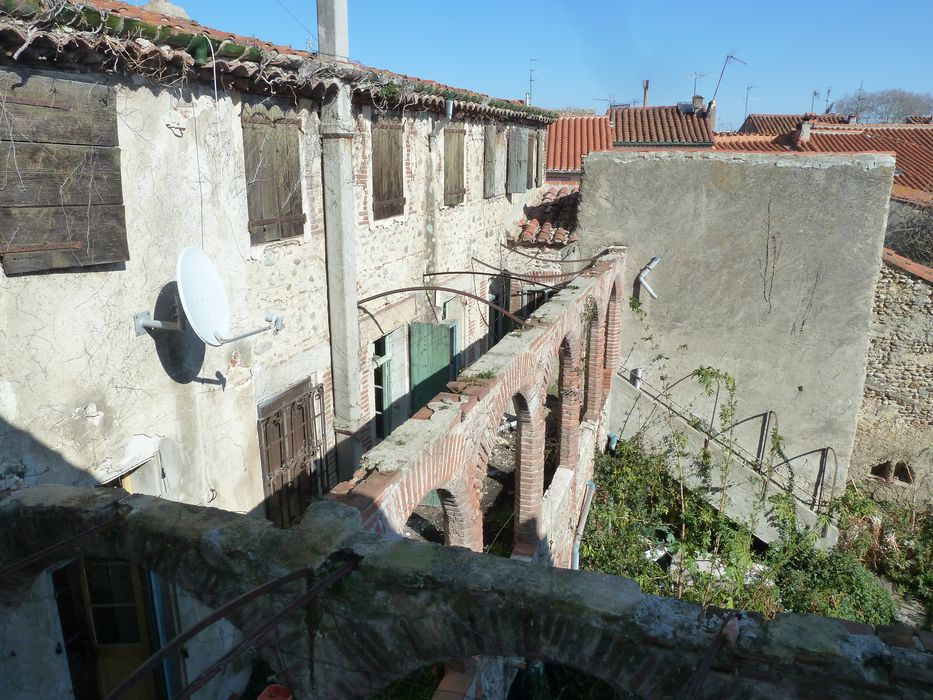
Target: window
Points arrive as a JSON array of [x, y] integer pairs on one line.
[[453, 166], [61, 197], [390, 382], [517, 172], [273, 173], [489, 161], [532, 166], [388, 187], [293, 451]]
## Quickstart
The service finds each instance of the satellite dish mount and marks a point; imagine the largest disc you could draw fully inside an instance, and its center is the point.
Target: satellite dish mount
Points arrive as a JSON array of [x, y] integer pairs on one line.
[[202, 297]]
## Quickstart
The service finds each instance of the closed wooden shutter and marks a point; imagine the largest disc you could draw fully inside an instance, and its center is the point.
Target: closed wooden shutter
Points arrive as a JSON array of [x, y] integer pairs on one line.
[[388, 185], [273, 173], [531, 167], [453, 166], [292, 447], [489, 161], [517, 174], [61, 197]]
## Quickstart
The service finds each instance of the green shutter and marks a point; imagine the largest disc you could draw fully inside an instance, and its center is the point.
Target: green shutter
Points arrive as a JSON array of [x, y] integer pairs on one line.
[[453, 167], [489, 161], [517, 175], [430, 353]]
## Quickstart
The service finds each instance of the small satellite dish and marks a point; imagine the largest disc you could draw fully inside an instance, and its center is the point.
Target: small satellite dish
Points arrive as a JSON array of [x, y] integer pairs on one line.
[[204, 300], [203, 296]]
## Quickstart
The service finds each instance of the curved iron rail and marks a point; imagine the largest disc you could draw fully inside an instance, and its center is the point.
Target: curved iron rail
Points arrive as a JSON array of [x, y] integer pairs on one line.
[[430, 288]]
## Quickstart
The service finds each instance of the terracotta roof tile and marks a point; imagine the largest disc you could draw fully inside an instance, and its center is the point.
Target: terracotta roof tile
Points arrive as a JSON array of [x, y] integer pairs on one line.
[[784, 123], [571, 138], [916, 269], [919, 120], [660, 126], [552, 220]]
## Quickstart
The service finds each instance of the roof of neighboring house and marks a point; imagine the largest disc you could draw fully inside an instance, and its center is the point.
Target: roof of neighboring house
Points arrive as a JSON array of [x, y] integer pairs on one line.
[[552, 221], [660, 126], [919, 120], [916, 269], [912, 145], [571, 138], [783, 123], [109, 36]]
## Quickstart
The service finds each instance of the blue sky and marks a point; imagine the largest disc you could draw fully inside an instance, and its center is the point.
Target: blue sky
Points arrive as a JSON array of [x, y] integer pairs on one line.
[[593, 49]]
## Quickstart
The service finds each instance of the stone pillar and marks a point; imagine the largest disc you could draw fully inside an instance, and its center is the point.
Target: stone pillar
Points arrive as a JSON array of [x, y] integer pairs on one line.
[[463, 519], [529, 476], [340, 244]]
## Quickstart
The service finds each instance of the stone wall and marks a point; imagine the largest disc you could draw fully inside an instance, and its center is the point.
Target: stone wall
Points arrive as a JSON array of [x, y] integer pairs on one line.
[[768, 265], [896, 418]]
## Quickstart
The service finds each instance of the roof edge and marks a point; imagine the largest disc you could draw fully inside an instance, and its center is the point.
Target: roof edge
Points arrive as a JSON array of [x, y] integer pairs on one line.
[[907, 265]]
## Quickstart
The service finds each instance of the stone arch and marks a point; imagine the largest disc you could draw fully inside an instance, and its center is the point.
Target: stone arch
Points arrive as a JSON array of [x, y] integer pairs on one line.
[[612, 336]]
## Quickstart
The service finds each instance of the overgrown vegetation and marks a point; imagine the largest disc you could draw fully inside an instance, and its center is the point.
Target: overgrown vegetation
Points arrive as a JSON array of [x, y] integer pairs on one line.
[[643, 525]]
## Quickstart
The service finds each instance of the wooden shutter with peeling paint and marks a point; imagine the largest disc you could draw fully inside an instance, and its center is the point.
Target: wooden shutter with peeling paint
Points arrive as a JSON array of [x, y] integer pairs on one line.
[[273, 173], [516, 176], [388, 187], [61, 196], [489, 161], [453, 166]]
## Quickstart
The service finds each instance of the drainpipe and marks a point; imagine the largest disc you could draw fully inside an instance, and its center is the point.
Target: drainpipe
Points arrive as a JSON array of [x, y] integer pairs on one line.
[[641, 276], [337, 129], [578, 535]]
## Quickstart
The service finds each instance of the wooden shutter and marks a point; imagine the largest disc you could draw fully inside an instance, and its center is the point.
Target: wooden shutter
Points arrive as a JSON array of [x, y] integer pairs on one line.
[[542, 156], [517, 174], [453, 166], [61, 196], [531, 167], [430, 356], [388, 185], [273, 173], [292, 448], [489, 161]]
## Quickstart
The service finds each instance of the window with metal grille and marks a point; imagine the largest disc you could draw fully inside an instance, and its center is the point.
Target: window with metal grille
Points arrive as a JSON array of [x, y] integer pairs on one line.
[[271, 142], [453, 166], [388, 182], [295, 468]]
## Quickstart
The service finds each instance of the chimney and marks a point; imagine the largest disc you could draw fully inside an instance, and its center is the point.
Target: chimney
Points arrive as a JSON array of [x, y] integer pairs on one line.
[[697, 103], [333, 37], [711, 114], [644, 101], [804, 132]]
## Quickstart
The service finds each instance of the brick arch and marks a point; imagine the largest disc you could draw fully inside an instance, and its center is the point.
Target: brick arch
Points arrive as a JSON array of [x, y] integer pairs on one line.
[[463, 519], [612, 335], [593, 389], [529, 469], [570, 396]]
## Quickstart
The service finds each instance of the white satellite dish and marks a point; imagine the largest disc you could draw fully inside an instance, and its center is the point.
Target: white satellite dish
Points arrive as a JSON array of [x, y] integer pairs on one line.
[[204, 301], [203, 296]]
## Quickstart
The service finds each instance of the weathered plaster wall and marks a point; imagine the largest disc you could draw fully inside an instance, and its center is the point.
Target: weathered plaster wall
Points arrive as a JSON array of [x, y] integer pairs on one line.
[[768, 264], [411, 604], [896, 417]]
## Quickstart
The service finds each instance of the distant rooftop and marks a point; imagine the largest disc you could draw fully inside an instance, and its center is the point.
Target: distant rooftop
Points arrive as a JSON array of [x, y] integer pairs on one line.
[[776, 124]]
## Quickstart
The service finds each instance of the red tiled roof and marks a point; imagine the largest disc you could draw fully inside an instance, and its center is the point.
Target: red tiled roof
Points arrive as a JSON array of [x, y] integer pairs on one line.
[[916, 269], [571, 138], [784, 123], [551, 221], [912, 145], [660, 126], [919, 120]]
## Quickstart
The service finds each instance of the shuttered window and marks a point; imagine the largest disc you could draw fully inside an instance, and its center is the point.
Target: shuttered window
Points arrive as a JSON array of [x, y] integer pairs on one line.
[[489, 161], [532, 166], [388, 187], [453, 166], [271, 142], [517, 173], [293, 450], [61, 198]]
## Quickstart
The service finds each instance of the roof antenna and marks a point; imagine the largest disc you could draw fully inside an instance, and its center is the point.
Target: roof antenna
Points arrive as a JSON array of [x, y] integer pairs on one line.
[[695, 77], [813, 97], [531, 79], [729, 57], [858, 100]]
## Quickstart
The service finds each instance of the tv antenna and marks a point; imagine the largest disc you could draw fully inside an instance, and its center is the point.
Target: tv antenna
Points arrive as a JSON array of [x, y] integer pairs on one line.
[[203, 299], [695, 76], [748, 89], [531, 77], [858, 100], [729, 57], [828, 91]]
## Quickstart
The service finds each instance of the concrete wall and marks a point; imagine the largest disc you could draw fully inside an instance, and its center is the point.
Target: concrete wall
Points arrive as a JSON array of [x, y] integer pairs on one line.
[[896, 418], [768, 264]]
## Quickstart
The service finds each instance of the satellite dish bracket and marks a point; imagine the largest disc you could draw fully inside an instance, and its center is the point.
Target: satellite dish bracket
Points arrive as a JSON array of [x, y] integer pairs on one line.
[[143, 321], [276, 323]]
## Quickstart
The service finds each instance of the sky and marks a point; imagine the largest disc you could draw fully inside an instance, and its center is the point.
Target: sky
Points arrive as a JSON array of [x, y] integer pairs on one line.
[[588, 51]]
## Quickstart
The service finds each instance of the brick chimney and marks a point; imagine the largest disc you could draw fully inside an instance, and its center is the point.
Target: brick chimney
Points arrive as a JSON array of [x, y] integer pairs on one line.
[[644, 84], [802, 134], [697, 104]]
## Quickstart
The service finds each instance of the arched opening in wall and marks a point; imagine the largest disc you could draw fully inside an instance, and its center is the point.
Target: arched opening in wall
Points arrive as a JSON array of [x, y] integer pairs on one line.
[[565, 413], [552, 423], [542, 679], [592, 343], [611, 342], [417, 685], [903, 473], [426, 521], [891, 471]]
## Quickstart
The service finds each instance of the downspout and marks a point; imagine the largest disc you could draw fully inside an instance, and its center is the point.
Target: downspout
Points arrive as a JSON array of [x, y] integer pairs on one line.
[[581, 526], [337, 128]]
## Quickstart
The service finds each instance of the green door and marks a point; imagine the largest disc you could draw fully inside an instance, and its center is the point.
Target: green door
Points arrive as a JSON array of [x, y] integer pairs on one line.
[[430, 352]]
